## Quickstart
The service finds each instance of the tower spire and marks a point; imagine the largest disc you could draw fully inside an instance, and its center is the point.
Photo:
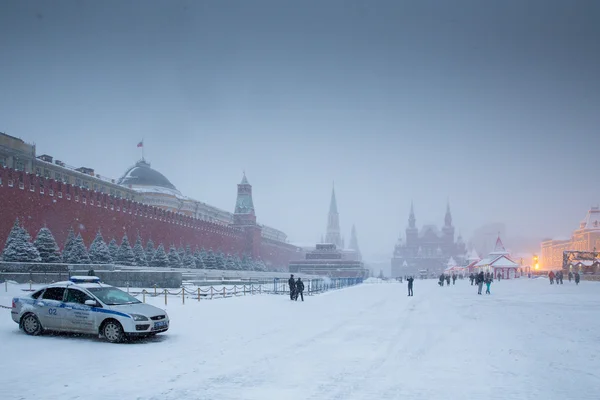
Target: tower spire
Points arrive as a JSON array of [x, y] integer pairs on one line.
[[448, 217], [411, 217], [333, 223]]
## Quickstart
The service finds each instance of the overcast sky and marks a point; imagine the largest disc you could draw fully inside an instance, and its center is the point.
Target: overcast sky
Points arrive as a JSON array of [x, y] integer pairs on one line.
[[494, 105]]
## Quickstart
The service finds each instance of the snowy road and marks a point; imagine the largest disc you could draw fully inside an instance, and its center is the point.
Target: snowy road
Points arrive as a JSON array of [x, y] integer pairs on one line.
[[529, 340]]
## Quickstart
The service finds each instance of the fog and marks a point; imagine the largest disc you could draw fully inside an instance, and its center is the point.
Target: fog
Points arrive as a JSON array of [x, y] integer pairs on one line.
[[492, 107]]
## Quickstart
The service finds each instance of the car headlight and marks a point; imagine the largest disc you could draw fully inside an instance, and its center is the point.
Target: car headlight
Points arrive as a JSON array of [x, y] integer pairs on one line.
[[138, 317]]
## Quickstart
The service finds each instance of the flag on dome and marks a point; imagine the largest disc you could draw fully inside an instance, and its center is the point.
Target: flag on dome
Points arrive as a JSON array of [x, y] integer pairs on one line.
[[140, 144]]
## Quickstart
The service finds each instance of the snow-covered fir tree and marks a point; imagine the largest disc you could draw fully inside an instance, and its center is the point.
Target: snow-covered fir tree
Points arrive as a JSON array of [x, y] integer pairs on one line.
[[246, 263], [174, 259], [150, 250], [68, 244], [14, 234], [113, 249], [229, 263], [189, 261], [47, 247], [188, 250], [220, 258], [160, 259], [238, 263], [139, 253], [125, 254], [181, 251], [210, 261], [99, 253], [19, 247], [198, 259], [78, 253]]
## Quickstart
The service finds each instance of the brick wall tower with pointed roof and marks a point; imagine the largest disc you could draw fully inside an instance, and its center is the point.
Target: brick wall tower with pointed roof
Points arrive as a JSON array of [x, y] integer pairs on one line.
[[333, 234], [244, 217], [412, 232], [244, 206]]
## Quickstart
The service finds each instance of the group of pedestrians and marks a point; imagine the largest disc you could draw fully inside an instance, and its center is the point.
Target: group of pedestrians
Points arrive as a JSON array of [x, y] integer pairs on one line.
[[480, 279], [447, 278], [558, 277], [296, 288]]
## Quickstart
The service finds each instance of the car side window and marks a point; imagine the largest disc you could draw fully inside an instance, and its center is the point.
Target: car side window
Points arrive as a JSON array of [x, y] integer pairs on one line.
[[54, 293], [37, 294], [76, 296]]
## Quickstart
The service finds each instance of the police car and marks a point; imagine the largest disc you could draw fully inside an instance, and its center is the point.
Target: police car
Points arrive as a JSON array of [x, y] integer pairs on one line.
[[85, 305]]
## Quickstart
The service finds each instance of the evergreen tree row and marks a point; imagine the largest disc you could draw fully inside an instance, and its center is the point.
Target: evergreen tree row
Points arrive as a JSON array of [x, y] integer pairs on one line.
[[20, 248]]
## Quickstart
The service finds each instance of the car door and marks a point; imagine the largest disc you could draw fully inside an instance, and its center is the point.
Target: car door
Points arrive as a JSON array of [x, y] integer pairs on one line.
[[77, 316], [49, 307]]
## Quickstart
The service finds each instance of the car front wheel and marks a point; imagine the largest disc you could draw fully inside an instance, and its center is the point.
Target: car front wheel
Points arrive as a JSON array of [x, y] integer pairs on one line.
[[113, 332], [31, 324]]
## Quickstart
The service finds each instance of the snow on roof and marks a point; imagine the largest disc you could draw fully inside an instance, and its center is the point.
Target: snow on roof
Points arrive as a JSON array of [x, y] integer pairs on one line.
[[499, 247], [451, 262], [592, 220], [473, 256], [504, 262]]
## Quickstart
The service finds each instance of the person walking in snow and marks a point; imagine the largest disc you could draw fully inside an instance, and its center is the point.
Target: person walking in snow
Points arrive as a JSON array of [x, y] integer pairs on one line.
[[410, 280], [472, 278], [570, 276], [562, 275], [447, 280], [480, 279], [299, 289], [441, 282], [292, 285], [577, 278], [488, 282], [551, 277], [453, 279]]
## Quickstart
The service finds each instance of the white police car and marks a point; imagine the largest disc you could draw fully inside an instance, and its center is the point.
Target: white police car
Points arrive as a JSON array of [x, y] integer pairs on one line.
[[84, 305]]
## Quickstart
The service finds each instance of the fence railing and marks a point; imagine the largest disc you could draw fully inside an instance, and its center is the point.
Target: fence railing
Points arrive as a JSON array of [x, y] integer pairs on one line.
[[276, 286]]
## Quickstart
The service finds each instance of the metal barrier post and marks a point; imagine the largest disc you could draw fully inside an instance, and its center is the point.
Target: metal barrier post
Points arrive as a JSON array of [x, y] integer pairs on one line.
[[165, 297], [211, 292], [198, 294], [259, 288], [6, 286], [244, 289], [30, 282], [155, 289], [144, 295], [127, 287], [223, 291], [182, 295], [234, 290]]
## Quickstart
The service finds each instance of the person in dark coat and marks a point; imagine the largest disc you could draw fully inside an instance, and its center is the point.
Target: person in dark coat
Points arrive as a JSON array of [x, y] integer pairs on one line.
[[453, 279], [562, 275], [292, 284], [472, 278], [299, 289], [441, 282], [447, 280], [577, 278], [410, 280], [480, 279], [551, 277], [570, 276]]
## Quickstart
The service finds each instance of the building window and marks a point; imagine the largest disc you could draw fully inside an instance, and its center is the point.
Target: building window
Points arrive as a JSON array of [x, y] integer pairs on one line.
[[57, 177], [95, 187], [86, 184], [77, 182], [46, 174]]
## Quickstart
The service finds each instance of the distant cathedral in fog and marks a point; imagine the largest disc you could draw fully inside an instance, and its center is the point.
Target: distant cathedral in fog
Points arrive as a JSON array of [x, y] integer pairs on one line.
[[428, 248]]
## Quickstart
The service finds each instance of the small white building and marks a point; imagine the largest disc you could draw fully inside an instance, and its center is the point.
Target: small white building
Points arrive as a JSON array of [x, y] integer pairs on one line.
[[499, 263]]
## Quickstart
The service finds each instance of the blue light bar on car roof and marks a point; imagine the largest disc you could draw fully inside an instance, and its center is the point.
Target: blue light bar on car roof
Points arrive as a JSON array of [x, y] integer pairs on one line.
[[85, 279]]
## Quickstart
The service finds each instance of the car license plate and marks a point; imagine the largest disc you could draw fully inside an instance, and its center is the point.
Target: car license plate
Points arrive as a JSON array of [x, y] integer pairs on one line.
[[160, 325]]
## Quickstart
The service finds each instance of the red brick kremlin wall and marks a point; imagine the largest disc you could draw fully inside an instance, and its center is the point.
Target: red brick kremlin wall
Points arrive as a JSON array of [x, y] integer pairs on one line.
[[37, 201]]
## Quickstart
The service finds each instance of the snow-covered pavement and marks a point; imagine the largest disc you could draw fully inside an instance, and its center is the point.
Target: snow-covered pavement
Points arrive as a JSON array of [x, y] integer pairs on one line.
[[528, 340]]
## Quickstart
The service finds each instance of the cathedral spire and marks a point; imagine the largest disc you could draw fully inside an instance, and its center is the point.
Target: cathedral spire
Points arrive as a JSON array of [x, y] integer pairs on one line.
[[244, 206], [448, 218], [333, 223], [411, 218]]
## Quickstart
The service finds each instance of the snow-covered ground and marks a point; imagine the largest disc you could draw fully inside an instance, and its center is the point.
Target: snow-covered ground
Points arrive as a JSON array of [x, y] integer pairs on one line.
[[528, 340]]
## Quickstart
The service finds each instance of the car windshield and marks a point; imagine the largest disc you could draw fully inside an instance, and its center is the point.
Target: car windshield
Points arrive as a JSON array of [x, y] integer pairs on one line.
[[113, 296]]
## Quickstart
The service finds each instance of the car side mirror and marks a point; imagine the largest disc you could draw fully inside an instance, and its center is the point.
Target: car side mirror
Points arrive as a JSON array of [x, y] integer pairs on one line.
[[91, 303]]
